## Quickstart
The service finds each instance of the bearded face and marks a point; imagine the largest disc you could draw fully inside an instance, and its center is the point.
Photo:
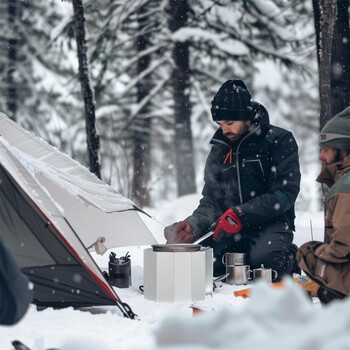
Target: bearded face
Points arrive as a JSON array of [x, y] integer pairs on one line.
[[234, 130]]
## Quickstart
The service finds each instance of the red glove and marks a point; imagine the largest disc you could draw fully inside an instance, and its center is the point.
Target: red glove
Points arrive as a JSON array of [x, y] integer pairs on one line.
[[228, 223], [179, 232]]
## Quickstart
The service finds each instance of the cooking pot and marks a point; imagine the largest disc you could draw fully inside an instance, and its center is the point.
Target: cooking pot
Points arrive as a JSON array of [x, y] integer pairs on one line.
[[172, 248]]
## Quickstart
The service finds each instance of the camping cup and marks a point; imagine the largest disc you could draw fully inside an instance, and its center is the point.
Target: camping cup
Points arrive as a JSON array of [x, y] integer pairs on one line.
[[264, 274], [230, 259], [237, 274]]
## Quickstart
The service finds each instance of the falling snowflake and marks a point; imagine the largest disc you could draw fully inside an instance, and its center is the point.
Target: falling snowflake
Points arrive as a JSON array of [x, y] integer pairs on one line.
[[77, 278]]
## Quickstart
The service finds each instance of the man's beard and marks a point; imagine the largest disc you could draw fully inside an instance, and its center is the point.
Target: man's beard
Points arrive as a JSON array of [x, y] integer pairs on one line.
[[338, 157], [238, 137]]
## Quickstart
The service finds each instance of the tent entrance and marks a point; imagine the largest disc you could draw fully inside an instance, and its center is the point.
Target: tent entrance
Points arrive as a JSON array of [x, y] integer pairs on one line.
[[60, 277]]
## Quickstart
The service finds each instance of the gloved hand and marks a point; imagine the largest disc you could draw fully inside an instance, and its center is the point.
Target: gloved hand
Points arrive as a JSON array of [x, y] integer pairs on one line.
[[228, 223], [179, 232]]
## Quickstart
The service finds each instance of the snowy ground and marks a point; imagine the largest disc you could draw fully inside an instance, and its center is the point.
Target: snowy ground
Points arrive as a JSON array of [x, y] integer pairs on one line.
[[270, 319]]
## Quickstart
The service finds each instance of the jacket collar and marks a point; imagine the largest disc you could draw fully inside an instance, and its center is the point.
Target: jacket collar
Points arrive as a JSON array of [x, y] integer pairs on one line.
[[332, 172]]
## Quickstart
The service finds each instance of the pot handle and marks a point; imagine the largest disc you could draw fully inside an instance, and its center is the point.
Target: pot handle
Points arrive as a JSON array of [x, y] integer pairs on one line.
[[200, 239], [220, 278], [223, 259], [210, 232]]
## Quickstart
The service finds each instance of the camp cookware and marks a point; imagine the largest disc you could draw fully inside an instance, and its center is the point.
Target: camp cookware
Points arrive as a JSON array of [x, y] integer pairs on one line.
[[236, 269], [119, 270], [238, 274], [183, 247], [265, 274], [230, 259]]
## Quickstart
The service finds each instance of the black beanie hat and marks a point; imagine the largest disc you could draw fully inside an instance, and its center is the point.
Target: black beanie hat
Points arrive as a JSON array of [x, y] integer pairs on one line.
[[232, 102]]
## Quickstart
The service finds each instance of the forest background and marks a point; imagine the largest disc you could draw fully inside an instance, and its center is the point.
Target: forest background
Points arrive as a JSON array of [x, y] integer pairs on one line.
[[124, 86]]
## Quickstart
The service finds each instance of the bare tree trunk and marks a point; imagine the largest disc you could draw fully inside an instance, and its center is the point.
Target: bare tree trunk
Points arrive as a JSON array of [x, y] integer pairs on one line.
[[142, 127], [340, 61], [93, 143], [12, 100], [178, 10], [333, 54], [325, 12]]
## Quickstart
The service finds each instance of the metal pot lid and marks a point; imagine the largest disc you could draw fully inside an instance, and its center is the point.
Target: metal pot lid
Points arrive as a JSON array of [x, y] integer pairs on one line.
[[183, 247]]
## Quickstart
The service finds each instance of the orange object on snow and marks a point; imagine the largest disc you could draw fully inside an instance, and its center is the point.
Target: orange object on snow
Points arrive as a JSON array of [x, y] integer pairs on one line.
[[196, 311], [302, 281], [244, 293]]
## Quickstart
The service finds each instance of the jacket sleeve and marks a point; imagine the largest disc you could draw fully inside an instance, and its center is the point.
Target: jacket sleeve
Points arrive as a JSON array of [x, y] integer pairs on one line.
[[208, 211], [283, 186], [15, 293], [338, 249]]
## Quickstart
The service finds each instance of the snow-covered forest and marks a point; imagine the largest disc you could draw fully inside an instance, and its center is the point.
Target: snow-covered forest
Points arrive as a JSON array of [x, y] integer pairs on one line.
[[124, 87], [154, 67]]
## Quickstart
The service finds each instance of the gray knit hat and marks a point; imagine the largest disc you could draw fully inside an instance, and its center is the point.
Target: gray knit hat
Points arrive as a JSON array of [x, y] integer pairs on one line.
[[336, 133]]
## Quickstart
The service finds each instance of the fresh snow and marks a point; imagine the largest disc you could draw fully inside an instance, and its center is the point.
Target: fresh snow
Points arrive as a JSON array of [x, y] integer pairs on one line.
[[270, 319], [232, 47]]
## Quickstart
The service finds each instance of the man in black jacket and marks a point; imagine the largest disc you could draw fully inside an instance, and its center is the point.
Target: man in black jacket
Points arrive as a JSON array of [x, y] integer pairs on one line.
[[15, 290], [252, 180]]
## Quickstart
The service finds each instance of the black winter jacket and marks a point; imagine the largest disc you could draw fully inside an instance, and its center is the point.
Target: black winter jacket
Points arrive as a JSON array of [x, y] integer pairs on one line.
[[261, 182], [15, 294]]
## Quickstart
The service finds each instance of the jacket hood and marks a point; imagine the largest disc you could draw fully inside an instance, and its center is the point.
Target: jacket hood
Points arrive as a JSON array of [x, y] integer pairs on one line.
[[332, 172], [261, 115], [260, 123]]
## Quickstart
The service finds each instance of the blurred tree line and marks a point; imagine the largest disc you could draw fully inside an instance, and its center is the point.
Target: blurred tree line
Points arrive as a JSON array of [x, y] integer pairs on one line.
[[154, 67]]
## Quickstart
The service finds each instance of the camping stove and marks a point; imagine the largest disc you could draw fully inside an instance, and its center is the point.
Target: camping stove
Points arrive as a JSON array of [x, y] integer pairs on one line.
[[178, 272]]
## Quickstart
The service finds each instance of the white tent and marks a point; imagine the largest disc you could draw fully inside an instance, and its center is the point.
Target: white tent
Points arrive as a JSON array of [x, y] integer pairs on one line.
[[50, 208], [64, 188]]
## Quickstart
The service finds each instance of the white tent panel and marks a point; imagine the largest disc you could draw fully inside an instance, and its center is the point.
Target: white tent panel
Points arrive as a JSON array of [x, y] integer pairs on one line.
[[63, 188], [44, 203], [117, 228]]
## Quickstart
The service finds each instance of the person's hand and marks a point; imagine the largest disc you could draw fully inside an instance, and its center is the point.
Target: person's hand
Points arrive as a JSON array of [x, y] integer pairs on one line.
[[179, 232], [228, 223]]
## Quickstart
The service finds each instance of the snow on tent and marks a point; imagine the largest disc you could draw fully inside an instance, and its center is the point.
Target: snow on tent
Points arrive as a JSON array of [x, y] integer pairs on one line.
[[52, 209]]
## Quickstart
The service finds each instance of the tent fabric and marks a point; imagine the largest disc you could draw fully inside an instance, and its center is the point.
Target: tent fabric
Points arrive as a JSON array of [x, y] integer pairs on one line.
[[93, 208], [52, 209], [62, 276]]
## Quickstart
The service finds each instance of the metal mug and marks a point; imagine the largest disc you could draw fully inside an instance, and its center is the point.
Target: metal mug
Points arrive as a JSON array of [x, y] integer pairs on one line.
[[236, 259], [265, 274], [238, 274]]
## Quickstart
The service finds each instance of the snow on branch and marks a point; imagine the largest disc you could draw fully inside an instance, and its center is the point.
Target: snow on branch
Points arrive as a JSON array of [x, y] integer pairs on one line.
[[153, 67], [136, 110], [260, 49], [233, 47], [38, 50]]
